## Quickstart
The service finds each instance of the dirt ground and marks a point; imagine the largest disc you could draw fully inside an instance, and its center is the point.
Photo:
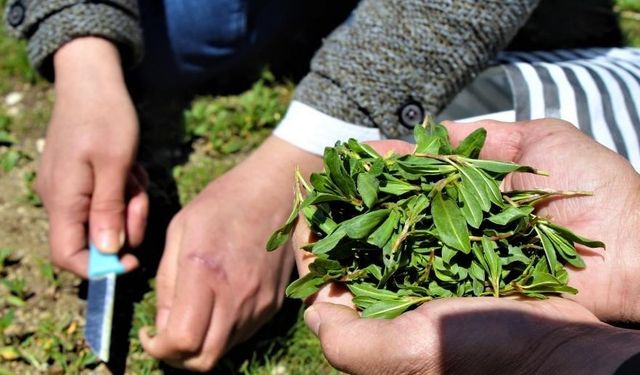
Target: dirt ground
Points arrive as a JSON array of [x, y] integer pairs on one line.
[[42, 309]]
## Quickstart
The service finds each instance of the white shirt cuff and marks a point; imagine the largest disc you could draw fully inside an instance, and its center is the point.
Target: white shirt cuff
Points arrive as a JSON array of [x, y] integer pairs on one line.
[[312, 130]]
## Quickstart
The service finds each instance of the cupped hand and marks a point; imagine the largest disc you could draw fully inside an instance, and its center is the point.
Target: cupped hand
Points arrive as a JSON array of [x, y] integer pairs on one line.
[[481, 335], [217, 284], [609, 286], [87, 178]]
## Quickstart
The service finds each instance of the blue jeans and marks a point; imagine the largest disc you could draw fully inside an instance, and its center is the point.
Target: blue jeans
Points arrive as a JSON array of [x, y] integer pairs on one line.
[[190, 43]]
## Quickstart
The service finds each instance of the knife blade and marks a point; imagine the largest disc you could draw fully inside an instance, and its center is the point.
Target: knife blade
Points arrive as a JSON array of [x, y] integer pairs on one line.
[[103, 271]]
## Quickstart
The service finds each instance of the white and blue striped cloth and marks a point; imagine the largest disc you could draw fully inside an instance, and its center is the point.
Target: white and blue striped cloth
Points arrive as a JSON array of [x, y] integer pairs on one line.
[[596, 89]]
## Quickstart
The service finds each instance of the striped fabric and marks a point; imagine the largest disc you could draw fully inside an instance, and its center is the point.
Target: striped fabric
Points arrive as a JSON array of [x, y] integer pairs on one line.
[[598, 90]]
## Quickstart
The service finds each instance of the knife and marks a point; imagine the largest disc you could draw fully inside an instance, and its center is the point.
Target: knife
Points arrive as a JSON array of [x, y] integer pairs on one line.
[[103, 270]]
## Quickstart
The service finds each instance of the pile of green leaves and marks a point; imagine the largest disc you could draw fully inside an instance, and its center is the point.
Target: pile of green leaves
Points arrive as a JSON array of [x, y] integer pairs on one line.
[[402, 230]]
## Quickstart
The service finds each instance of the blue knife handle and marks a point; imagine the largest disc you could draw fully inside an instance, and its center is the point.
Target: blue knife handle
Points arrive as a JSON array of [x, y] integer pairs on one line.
[[101, 264]]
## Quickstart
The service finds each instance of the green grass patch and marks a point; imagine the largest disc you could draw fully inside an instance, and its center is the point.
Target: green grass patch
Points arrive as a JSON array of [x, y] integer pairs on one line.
[[628, 5], [14, 64], [224, 129]]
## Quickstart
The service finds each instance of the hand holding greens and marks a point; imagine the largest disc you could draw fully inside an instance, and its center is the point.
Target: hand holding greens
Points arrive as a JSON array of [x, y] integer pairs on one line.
[[402, 230]]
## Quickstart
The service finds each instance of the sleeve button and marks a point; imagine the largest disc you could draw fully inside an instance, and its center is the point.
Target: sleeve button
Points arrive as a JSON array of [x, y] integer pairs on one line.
[[16, 14], [411, 114]]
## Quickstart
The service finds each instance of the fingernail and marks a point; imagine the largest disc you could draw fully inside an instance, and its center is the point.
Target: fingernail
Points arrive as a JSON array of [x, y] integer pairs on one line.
[[110, 241], [312, 319]]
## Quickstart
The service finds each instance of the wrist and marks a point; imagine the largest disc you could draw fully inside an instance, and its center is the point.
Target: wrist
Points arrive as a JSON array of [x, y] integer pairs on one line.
[[86, 62], [585, 348], [284, 158]]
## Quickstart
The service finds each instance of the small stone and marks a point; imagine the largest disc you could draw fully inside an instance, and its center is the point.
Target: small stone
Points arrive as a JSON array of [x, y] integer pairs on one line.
[[40, 143], [280, 369], [13, 98]]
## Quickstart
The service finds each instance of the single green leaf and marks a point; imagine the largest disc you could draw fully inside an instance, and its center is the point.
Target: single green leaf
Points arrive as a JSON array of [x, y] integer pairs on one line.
[[425, 143], [476, 271], [9, 160], [499, 167], [416, 206], [478, 288], [370, 290], [363, 302], [569, 235], [447, 254], [383, 233], [493, 261], [436, 291], [375, 271], [7, 138], [363, 225], [305, 286], [334, 168], [472, 144], [473, 184], [549, 249], [491, 187], [282, 234], [471, 206], [396, 186], [388, 309], [539, 280], [565, 248], [423, 166], [368, 189], [515, 255], [322, 266], [510, 214], [450, 223], [327, 244], [438, 130], [479, 255], [363, 149], [322, 184], [442, 271], [315, 198], [318, 219]]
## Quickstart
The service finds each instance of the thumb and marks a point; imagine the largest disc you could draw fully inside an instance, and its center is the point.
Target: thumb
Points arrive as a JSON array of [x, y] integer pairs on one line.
[[505, 140], [347, 340], [107, 213]]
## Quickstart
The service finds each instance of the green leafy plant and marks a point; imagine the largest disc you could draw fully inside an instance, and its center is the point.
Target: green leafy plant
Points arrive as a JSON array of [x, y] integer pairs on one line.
[[403, 230], [239, 123], [30, 196]]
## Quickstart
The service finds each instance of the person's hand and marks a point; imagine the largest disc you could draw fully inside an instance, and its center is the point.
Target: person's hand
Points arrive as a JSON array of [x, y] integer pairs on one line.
[[473, 336], [217, 284], [609, 286], [86, 177]]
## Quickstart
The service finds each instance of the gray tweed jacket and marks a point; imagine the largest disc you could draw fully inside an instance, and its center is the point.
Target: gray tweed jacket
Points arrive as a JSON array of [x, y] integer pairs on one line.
[[394, 62]]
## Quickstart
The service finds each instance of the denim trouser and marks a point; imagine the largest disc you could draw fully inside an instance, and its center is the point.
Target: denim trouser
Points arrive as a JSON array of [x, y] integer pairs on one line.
[[190, 43]]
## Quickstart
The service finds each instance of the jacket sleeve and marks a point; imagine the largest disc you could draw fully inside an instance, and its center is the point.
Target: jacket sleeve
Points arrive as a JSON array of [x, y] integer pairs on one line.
[[396, 61], [48, 24]]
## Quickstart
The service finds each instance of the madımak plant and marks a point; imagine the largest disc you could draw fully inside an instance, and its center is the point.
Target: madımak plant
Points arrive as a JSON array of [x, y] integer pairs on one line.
[[403, 230]]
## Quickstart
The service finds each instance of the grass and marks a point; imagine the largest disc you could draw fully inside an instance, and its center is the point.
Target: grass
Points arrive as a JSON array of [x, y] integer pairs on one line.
[[221, 131]]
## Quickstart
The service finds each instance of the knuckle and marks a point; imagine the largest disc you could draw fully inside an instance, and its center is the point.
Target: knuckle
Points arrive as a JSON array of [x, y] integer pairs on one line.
[[175, 224], [185, 342], [107, 206], [511, 142], [211, 264], [58, 259]]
